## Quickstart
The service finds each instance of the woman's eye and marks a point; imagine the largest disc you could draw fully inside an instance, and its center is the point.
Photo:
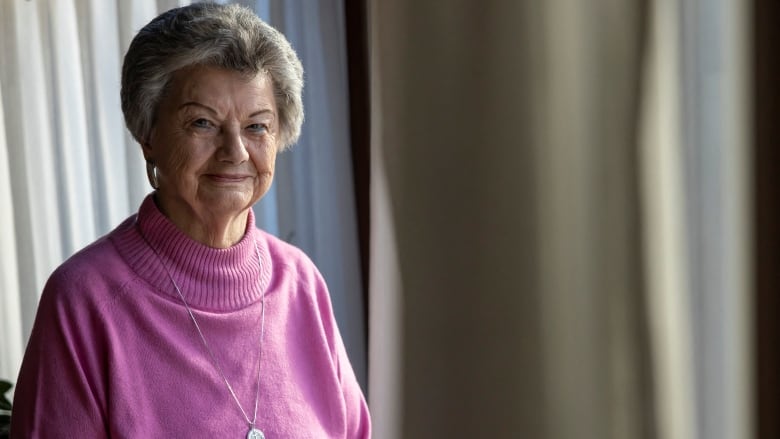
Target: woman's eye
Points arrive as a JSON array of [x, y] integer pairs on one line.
[[258, 127], [201, 123]]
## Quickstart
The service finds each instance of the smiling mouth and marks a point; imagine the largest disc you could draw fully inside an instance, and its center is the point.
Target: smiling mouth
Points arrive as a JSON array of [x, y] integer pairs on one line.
[[224, 178]]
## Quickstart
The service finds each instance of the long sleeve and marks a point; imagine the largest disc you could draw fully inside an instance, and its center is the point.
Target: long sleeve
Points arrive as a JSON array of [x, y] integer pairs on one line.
[[316, 353], [358, 418], [60, 388]]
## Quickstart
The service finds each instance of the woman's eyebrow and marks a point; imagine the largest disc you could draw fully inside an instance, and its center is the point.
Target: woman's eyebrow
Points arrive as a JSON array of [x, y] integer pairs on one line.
[[263, 111], [215, 112], [198, 104]]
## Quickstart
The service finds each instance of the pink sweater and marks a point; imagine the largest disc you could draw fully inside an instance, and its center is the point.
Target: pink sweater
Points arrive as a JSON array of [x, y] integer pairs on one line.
[[113, 352]]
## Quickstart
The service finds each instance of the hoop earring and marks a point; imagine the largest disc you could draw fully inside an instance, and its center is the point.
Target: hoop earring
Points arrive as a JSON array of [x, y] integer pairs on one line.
[[151, 174]]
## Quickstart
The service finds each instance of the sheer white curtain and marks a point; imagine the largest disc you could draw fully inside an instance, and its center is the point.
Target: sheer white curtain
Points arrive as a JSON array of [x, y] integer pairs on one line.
[[10, 327], [69, 171], [696, 192]]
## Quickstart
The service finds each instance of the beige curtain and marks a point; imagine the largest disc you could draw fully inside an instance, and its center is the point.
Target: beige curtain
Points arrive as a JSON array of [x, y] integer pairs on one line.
[[508, 132], [526, 278]]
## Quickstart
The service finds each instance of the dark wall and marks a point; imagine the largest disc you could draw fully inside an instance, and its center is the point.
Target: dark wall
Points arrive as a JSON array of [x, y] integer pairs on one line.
[[356, 20], [767, 212]]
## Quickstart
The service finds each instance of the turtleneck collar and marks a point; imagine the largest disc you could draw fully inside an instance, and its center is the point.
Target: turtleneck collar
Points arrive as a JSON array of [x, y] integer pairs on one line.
[[209, 278]]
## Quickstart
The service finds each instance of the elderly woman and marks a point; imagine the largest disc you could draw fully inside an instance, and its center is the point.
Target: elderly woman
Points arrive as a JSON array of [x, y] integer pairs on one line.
[[187, 320]]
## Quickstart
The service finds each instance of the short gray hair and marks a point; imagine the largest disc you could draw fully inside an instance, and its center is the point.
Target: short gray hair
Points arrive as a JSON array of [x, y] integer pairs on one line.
[[225, 36]]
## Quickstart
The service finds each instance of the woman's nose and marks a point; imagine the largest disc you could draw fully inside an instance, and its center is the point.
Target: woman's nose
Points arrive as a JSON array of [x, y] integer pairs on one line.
[[234, 147]]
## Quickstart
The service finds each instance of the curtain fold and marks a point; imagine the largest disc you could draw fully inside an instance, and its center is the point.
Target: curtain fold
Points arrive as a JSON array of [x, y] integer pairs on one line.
[[30, 152], [696, 198], [11, 342], [665, 231], [99, 42], [385, 307], [70, 125], [586, 84]]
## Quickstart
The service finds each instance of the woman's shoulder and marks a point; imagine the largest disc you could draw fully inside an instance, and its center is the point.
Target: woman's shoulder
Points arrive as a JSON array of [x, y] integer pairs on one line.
[[287, 261], [95, 268], [98, 254], [282, 252]]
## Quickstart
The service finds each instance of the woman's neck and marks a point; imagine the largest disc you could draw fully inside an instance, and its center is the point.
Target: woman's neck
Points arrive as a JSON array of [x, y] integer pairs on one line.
[[221, 231]]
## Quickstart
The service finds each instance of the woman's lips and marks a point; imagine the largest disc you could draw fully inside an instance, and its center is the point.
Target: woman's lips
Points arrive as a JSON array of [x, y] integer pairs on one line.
[[228, 178]]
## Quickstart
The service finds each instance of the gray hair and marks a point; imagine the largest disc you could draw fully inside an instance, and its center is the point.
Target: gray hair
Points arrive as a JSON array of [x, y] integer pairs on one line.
[[225, 36]]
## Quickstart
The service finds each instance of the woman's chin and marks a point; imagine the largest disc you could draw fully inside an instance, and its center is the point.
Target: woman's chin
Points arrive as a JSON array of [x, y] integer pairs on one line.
[[227, 202]]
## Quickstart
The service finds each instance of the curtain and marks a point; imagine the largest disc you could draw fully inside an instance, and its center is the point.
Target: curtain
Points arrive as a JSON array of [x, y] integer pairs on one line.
[[67, 155], [11, 339], [542, 249], [505, 131], [695, 194], [70, 171], [314, 191]]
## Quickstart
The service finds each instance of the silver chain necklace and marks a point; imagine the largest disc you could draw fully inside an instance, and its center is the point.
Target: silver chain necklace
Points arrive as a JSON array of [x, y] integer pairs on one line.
[[254, 432]]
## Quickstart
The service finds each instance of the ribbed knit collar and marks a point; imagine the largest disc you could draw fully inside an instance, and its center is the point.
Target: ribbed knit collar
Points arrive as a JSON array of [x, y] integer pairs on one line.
[[209, 278]]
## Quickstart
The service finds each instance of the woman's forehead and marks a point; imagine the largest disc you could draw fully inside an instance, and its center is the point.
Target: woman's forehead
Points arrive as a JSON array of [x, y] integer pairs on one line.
[[217, 87]]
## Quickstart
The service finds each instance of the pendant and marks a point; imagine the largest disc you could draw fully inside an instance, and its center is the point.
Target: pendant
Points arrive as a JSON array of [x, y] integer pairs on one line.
[[254, 433]]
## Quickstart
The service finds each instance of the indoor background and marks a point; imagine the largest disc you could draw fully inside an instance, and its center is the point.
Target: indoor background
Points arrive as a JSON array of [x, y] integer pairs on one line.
[[537, 219]]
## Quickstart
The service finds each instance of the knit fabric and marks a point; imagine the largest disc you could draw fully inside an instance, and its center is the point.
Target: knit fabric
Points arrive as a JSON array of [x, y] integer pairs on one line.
[[114, 353]]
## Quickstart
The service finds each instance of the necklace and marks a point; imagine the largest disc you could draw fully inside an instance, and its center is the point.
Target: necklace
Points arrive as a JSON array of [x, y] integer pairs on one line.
[[254, 432]]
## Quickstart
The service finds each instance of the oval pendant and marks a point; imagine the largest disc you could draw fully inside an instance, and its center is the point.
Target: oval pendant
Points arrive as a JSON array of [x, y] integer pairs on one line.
[[255, 434]]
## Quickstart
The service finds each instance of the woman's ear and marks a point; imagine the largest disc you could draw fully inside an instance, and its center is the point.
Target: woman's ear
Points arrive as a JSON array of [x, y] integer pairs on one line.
[[146, 147], [146, 144]]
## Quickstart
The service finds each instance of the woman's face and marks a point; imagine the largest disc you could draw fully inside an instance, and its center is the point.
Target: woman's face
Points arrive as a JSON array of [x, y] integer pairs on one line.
[[214, 143]]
